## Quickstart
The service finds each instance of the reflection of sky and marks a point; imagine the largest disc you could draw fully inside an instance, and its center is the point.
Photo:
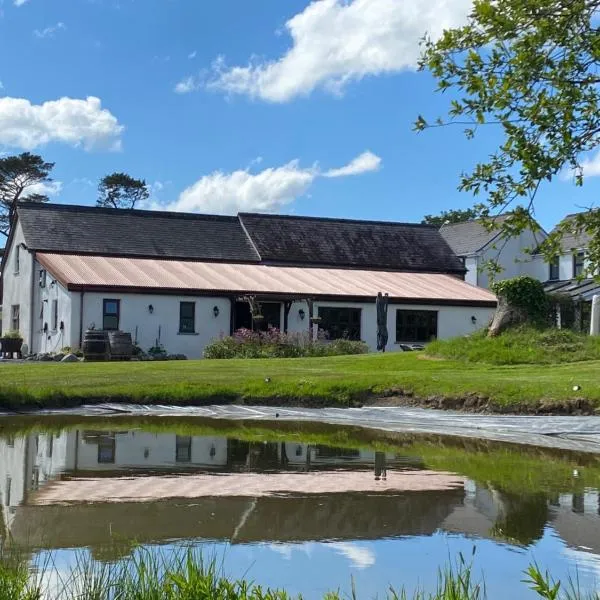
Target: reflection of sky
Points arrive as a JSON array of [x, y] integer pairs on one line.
[[313, 568]]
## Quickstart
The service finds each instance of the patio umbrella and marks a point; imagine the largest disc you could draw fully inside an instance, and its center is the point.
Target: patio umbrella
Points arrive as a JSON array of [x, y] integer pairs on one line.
[[381, 304]]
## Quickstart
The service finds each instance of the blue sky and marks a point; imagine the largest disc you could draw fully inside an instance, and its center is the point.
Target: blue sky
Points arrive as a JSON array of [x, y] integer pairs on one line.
[[291, 107]]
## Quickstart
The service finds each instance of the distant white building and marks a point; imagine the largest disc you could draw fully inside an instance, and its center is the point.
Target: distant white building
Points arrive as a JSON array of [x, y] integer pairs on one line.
[[476, 245]]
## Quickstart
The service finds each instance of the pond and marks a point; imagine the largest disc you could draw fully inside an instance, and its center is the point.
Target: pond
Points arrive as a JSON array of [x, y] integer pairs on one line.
[[309, 508]]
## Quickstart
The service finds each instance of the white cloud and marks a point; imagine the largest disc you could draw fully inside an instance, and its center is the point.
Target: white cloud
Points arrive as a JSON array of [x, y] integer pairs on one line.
[[591, 166], [51, 188], [193, 54], [359, 556], [71, 121], [187, 85], [364, 163], [20, 2], [49, 31], [335, 42], [268, 190]]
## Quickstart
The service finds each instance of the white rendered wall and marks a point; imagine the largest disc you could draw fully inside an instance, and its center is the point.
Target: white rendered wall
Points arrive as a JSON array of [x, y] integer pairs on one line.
[[17, 287], [135, 316], [472, 266], [453, 321]]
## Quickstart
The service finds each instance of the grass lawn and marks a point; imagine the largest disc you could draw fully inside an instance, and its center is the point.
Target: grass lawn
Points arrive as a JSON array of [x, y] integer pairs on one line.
[[337, 380]]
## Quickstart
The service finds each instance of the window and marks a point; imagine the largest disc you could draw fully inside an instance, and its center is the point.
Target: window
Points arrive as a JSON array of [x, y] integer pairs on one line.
[[340, 323], [17, 259], [183, 448], [111, 310], [416, 325], [578, 264], [554, 269], [106, 450], [7, 495], [187, 317], [49, 446], [15, 321], [55, 315]]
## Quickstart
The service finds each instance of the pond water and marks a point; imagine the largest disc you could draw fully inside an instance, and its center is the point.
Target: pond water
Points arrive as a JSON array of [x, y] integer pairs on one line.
[[301, 507]]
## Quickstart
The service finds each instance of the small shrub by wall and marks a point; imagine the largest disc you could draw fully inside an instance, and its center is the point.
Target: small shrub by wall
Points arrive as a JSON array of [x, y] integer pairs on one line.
[[275, 344], [527, 295]]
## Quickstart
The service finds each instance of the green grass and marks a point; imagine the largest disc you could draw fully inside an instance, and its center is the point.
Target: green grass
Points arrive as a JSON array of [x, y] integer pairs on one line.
[[520, 346], [183, 575], [331, 381]]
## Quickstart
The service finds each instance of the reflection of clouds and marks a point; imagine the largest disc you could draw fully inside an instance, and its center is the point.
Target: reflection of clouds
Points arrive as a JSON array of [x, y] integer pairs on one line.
[[359, 556], [283, 550], [584, 563]]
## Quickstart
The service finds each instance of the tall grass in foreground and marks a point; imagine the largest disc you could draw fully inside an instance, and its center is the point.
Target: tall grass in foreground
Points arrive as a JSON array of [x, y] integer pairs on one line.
[[184, 575]]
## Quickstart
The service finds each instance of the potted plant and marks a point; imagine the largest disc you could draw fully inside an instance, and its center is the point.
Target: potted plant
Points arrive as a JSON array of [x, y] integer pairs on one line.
[[12, 341]]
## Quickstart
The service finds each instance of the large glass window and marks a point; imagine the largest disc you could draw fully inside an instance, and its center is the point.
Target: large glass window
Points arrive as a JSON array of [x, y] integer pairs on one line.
[[106, 450], [416, 325], [578, 264], [340, 323], [111, 314], [554, 269], [187, 317]]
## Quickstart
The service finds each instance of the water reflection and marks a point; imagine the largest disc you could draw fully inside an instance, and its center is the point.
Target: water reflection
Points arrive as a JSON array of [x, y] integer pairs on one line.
[[108, 490]]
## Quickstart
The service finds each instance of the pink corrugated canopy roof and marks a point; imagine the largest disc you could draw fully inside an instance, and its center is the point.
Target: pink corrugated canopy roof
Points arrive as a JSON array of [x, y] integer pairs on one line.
[[142, 274]]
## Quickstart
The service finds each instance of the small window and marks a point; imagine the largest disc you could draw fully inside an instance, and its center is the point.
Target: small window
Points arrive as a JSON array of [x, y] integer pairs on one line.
[[187, 317], [578, 264], [416, 325], [43, 277], [106, 450], [15, 320], [49, 446], [54, 315], [183, 448], [17, 259], [340, 323], [110, 315], [554, 269]]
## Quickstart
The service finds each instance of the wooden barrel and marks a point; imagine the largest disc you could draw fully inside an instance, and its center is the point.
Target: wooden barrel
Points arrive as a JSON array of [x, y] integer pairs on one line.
[[121, 345], [95, 345]]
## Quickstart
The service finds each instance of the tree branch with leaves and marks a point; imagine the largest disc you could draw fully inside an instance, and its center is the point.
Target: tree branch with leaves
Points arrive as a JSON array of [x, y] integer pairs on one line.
[[530, 68]]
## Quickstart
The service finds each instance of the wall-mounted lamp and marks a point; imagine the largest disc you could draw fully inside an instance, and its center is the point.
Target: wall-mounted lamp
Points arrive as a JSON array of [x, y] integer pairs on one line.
[[53, 283], [474, 320], [150, 308], [216, 311], [301, 314]]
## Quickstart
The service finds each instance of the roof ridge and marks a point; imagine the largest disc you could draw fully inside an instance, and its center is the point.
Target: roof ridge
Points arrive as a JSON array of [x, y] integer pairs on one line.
[[129, 211], [334, 220]]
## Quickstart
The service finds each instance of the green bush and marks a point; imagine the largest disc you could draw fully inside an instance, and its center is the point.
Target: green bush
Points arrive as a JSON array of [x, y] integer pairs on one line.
[[519, 346], [528, 294], [274, 344], [12, 334]]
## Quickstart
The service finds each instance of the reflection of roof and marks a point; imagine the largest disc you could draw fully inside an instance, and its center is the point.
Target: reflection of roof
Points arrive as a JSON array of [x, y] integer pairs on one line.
[[580, 531], [471, 236], [77, 272], [242, 520], [577, 290], [152, 488]]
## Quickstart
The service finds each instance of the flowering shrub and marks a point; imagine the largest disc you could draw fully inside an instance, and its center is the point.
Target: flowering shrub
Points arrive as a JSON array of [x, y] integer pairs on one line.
[[245, 343]]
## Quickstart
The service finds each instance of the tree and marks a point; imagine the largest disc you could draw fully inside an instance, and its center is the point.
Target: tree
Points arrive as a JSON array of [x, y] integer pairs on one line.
[[531, 68], [20, 176], [120, 190], [450, 216]]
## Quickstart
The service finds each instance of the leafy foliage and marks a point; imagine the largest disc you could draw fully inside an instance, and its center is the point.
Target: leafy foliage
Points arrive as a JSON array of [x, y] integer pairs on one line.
[[526, 293], [120, 190], [18, 175], [275, 344], [450, 217], [531, 68]]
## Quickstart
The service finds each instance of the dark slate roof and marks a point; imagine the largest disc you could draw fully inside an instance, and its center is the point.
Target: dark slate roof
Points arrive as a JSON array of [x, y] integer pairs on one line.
[[573, 240], [107, 231], [346, 243], [469, 237]]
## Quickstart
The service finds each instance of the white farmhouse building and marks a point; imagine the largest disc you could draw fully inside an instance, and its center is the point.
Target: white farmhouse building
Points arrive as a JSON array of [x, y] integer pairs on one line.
[[182, 280], [477, 245]]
